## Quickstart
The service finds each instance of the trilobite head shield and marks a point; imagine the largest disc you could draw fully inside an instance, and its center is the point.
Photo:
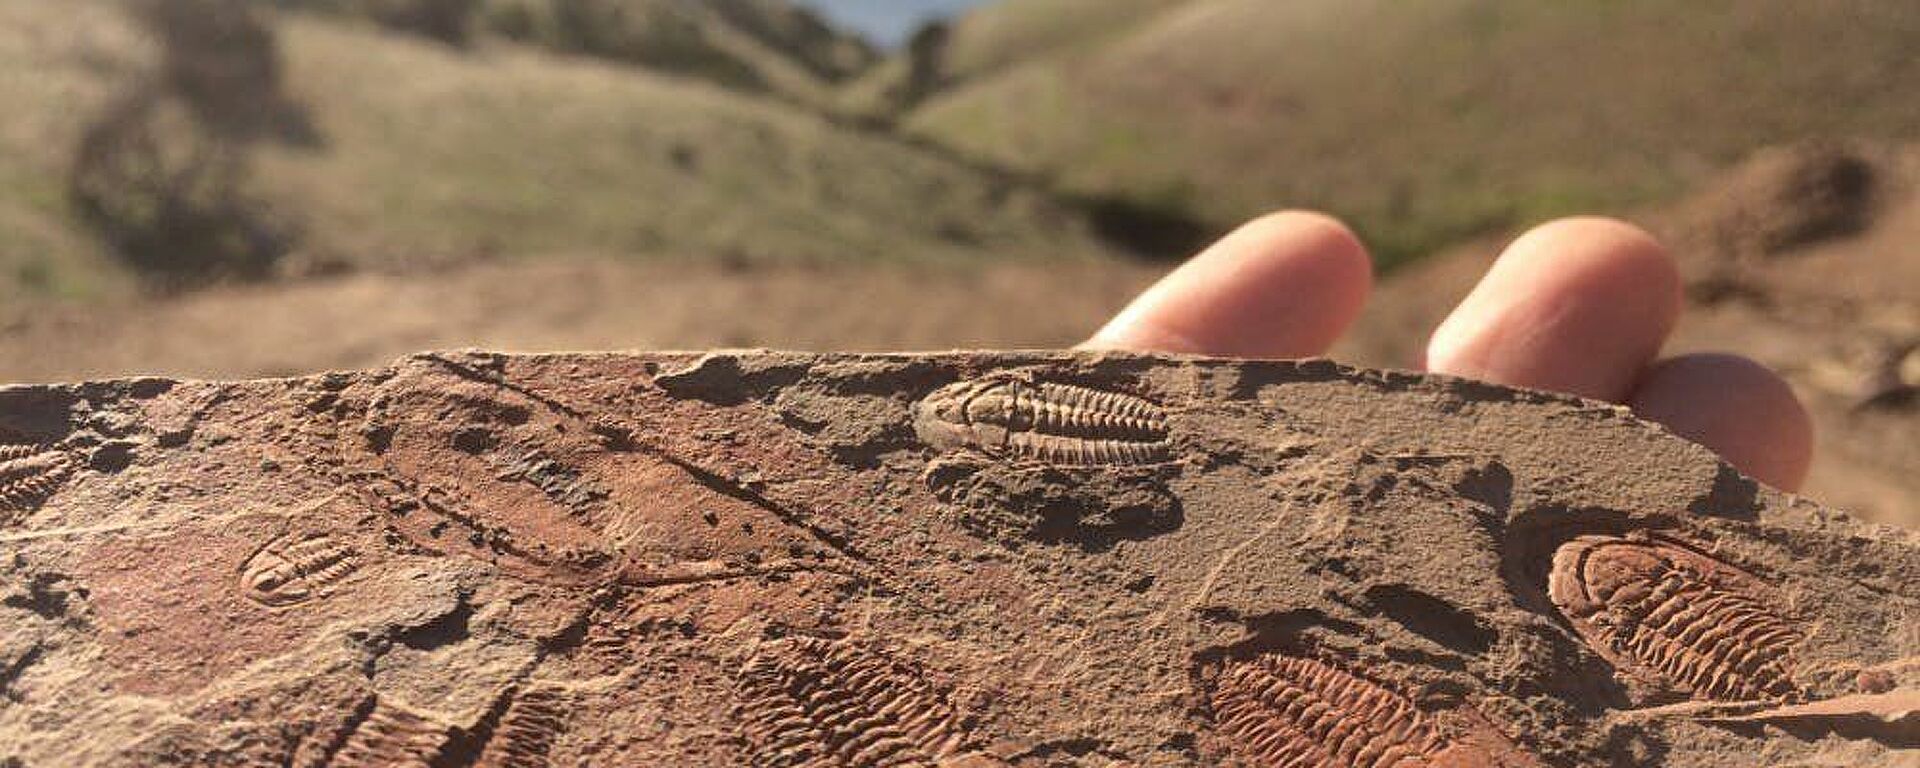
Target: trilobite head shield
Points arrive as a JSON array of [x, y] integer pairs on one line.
[[967, 414]]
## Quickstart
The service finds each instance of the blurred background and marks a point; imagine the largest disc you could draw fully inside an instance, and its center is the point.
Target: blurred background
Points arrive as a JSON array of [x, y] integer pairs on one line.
[[238, 188]]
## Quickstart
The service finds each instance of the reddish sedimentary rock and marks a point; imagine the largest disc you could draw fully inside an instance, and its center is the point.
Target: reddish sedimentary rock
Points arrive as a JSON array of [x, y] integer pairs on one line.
[[968, 559], [1697, 624], [1296, 712]]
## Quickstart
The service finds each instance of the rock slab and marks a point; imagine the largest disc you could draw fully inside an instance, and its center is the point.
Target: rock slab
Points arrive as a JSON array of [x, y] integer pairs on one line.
[[965, 559]]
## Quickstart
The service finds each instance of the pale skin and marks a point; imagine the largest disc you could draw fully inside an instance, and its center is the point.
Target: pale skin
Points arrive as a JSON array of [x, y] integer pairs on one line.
[[1579, 305]]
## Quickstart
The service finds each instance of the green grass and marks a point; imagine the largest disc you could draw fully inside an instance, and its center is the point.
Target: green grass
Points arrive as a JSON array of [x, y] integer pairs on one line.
[[1002, 34], [1425, 122], [517, 152], [60, 57], [432, 154]]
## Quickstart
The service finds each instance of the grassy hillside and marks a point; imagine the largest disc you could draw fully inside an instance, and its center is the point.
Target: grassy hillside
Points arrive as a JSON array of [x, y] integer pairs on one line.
[[1425, 122], [75, 52], [762, 46], [767, 46], [986, 40], [428, 153], [516, 152], [1009, 32]]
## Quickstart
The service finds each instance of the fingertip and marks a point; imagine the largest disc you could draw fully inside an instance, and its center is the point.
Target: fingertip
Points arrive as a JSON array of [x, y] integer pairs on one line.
[[1738, 408], [1578, 305], [1316, 234], [1284, 285]]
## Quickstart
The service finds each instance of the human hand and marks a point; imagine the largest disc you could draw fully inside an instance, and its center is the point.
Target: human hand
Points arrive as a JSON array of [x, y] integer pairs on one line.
[[1578, 305]]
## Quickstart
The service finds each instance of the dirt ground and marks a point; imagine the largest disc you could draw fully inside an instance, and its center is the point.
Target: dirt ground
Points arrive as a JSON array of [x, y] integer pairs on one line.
[[360, 321], [1783, 263]]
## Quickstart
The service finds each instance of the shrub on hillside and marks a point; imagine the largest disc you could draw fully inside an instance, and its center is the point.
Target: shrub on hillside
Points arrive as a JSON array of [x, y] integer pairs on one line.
[[161, 173], [168, 195], [666, 36], [800, 35], [448, 21], [221, 59]]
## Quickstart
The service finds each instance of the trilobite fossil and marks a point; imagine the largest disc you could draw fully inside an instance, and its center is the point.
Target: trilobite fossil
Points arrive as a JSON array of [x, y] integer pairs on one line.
[[392, 734], [1700, 625], [1014, 417], [819, 703], [522, 731], [1291, 712], [292, 569], [29, 474]]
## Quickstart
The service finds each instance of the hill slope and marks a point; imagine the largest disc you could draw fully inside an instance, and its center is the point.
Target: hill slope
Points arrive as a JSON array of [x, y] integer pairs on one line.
[[519, 153], [767, 46], [1428, 121], [431, 153], [1000, 35]]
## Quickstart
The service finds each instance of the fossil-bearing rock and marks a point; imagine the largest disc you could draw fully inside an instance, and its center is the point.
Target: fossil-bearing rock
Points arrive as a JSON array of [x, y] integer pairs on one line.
[[963, 559], [1698, 624]]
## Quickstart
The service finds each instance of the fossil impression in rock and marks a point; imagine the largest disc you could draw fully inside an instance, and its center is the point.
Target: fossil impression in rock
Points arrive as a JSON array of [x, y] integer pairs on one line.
[[1292, 712], [29, 474], [978, 560], [1700, 625], [1006, 416], [522, 729], [819, 703], [391, 734], [293, 569]]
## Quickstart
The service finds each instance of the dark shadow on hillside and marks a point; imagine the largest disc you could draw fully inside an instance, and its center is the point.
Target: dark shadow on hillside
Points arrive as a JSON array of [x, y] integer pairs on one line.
[[162, 173], [223, 61], [1147, 232], [446, 21]]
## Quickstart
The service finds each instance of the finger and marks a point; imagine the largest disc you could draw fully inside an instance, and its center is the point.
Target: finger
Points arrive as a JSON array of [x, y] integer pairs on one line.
[[1738, 408], [1286, 285], [1578, 306]]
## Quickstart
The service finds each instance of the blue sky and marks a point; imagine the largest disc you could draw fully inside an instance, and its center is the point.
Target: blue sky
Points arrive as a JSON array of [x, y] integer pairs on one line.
[[887, 22]]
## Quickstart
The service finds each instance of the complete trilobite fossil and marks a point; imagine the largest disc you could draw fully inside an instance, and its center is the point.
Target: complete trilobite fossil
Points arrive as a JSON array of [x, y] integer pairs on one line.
[[292, 569], [1699, 625], [1292, 712], [31, 473], [819, 703], [1015, 417]]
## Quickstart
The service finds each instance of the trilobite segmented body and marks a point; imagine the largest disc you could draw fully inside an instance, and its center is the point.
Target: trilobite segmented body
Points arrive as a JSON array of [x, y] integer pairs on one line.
[[1290, 712], [1057, 423], [807, 702], [292, 569], [1702, 626], [29, 474], [393, 735], [525, 733]]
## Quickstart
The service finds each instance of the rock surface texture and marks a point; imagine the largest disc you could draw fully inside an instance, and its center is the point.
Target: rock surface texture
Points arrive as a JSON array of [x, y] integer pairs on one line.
[[1049, 559]]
